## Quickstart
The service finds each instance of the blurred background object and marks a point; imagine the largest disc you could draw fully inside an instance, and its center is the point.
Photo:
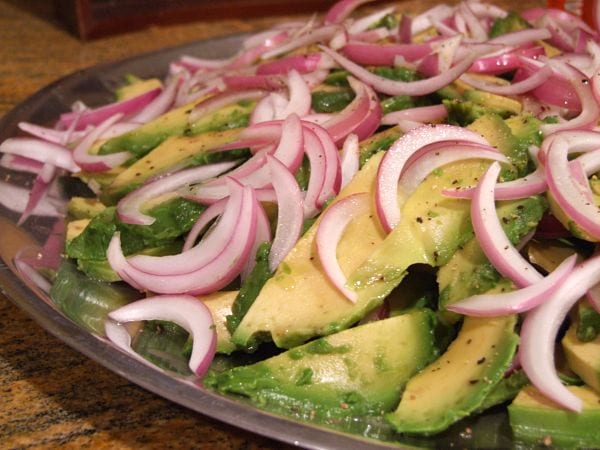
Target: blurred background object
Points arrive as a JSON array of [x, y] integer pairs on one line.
[[91, 19]]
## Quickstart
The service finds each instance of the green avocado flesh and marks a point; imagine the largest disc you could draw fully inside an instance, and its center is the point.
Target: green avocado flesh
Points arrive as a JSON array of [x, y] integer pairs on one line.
[[299, 302], [458, 382], [583, 357], [535, 420], [355, 372]]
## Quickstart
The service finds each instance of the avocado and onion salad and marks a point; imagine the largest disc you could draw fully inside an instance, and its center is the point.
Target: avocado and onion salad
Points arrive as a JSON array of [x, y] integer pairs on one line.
[[402, 210]]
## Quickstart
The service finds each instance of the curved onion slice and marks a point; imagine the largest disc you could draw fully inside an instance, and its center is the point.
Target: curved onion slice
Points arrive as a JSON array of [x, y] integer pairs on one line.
[[62, 137], [392, 87], [99, 115], [331, 227], [301, 63], [417, 114], [290, 214], [332, 176], [350, 158], [540, 327], [129, 206], [313, 147], [15, 198], [42, 151], [98, 163], [342, 9], [390, 168], [384, 55], [299, 96], [520, 87], [211, 277], [521, 300], [312, 36], [38, 191], [590, 110], [493, 240], [20, 163], [566, 191], [185, 310]]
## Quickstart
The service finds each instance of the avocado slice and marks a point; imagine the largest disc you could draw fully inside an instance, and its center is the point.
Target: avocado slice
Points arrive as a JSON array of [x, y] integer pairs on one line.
[[137, 87], [174, 152], [459, 381], [219, 304], [84, 208], [583, 357], [536, 420], [175, 123], [359, 371]]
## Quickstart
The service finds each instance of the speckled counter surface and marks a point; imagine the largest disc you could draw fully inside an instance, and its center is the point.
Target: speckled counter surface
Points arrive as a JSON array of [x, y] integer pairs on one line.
[[50, 395]]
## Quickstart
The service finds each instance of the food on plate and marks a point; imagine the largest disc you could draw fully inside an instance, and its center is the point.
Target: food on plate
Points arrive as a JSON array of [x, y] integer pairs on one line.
[[377, 222]]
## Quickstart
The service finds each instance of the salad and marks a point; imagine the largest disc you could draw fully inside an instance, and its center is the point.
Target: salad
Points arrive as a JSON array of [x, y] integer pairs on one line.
[[381, 223]]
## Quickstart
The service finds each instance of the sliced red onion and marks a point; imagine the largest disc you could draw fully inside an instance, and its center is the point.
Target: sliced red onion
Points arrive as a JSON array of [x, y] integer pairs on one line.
[[290, 214], [208, 248], [51, 134], [97, 116], [386, 190], [301, 63], [299, 96], [263, 82], [364, 23], [426, 19], [493, 240], [331, 228], [263, 234], [566, 191], [215, 275], [342, 9], [433, 156], [476, 29], [269, 108], [590, 110], [535, 14], [207, 216], [185, 310], [312, 36], [38, 191], [98, 163], [350, 158], [521, 300], [428, 114], [521, 37], [42, 151], [540, 328], [15, 198], [486, 10], [219, 101], [20, 163], [392, 87], [346, 121], [506, 61], [332, 176], [128, 208], [384, 54], [521, 87], [404, 29], [313, 147]]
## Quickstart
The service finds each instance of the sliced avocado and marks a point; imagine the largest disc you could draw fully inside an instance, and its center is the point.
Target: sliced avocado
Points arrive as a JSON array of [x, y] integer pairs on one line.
[[360, 371], [219, 304], [174, 152], [588, 322], [378, 142], [84, 208], [506, 390], [549, 253], [175, 123], [583, 357], [499, 134], [75, 228], [299, 301], [513, 21], [506, 105], [469, 272], [137, 87], [535, 420], [459, 381]]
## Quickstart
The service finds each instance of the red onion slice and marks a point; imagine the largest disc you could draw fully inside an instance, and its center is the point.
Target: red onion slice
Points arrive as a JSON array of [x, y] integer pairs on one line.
[[312, 36], [332, 177], [62, 137], [493, 240], [331, 228], [42, 151], [384, 55], [97, 116], [350, 159], [567, 193], [540, 328], [38, 191], [521, 300], [386, 188], [299, 96], [207, 216], [313, 147], [364, 23], [20, 163], [301, 63], [98, 163], [128, 208], [520, 87], [290, 213], [342, 9], [219, 101], [15, 198], [185, 310], [428, 114]]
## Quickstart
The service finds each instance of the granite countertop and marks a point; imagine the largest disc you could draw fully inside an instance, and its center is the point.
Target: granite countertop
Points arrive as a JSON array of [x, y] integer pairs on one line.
[[51, 395]]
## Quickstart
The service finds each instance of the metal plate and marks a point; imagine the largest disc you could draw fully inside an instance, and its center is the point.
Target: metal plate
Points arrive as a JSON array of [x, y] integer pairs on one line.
[[94, 86]]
